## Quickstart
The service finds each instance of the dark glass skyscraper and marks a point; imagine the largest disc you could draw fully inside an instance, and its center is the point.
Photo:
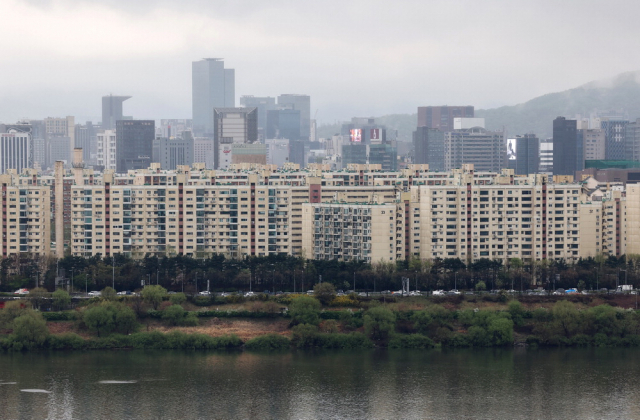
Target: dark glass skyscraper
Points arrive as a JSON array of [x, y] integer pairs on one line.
[[134, 144], [568, 154], [526, 157], [428, 146]]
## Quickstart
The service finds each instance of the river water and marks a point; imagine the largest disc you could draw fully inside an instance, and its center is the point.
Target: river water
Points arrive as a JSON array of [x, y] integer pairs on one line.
[[466, 384]]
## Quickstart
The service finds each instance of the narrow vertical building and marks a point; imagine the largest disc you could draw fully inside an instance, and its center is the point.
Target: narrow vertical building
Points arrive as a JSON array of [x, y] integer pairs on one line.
[[213, 86], [568, 156]]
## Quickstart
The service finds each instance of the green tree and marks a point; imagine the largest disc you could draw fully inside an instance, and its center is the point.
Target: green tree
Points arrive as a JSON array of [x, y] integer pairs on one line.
[[305, 310], [30, 329], [174, 314], [108, 293], [60, 299], [99, 320], [566, 317], [379, 324], [125, 320], [178, 298], [422, 322], [38, 296], [481, 286], [11, 311], [501, 331], [154, 295], [324, 292], [517, 312]]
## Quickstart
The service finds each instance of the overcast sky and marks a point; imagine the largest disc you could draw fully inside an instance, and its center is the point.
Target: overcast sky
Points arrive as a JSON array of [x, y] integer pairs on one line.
[[355, 58]]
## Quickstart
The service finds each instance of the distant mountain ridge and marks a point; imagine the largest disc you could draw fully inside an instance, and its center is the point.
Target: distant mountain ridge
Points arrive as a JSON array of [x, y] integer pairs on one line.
[[536, 116], [620, 93]]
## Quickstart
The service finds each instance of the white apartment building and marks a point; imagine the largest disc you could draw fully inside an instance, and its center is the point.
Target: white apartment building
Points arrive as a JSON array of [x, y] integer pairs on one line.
[[106, 156]]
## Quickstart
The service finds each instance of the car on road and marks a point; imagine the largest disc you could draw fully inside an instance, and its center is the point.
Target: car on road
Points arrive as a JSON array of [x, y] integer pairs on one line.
[[21, 292], [248, 294], [94, 293], [454, 292], [205, 293], [438, 293]]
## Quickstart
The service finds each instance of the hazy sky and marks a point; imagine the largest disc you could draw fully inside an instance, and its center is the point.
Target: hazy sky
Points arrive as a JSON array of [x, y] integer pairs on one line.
[[355, 58]]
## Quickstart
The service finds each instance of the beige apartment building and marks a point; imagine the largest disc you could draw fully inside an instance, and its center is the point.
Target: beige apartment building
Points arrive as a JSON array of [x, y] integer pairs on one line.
[[26, 216], [359, 213]]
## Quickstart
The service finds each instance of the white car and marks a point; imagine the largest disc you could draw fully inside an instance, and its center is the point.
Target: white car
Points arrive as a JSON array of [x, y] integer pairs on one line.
[[95, 293], [21, 292], [438, 293], [205, 293], [248, 294]]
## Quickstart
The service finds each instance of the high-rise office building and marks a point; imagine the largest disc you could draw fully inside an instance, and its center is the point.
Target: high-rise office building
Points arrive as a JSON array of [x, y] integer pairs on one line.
[[213, 86], [300, 103], [364, 130], [15, 150], [442, 117], [203, 151], [523, 154], [428, 146], [173, 152], [546, 157], [283, 124], [483, 148], [59, 127], [384, 155], [594, 144], [232, 125], [632, 140], [568, 152], [112, 110], [134, 144], [263, 104], [614, 130], [297, 153]]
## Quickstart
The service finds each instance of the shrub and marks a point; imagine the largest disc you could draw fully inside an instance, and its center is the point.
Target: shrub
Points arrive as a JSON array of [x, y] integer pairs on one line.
[[350, 321], [66, 341], [411, 341], [478, 336], [324, 292], [379, 324], [176, 315], [305, 310], [108, 293], [345, 302], [329, 326], [154, 295], [517, 312], [178, 298], [30, 330], [304, 335], [268, 342], [108, 317], [60, 299], [59, 316], [501, 331]]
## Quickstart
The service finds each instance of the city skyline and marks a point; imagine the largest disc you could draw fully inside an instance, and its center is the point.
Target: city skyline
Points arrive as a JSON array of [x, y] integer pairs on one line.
[[284, 47]]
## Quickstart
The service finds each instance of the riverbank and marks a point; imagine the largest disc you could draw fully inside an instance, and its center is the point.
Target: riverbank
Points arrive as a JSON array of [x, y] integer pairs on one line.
[[300, 321]]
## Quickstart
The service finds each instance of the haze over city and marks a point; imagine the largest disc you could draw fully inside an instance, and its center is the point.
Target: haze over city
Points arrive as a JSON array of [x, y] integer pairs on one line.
[[352, 58]]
